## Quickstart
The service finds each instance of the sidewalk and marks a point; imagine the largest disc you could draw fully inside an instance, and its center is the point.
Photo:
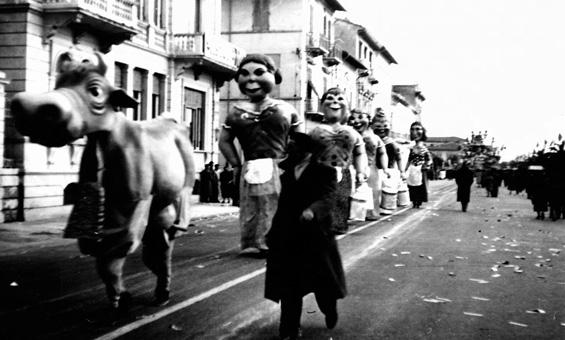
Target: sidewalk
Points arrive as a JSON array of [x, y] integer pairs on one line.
[[48, 232]]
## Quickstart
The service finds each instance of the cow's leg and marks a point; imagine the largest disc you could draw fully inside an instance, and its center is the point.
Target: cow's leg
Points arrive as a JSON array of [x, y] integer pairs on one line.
[[158, 243], [110, 270]]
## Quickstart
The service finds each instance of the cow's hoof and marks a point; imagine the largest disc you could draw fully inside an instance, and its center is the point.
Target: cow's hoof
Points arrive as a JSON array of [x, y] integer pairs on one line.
[[123, 303]]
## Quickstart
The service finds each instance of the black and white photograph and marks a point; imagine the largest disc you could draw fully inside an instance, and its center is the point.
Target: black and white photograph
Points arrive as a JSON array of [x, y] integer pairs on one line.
[[282, 169]]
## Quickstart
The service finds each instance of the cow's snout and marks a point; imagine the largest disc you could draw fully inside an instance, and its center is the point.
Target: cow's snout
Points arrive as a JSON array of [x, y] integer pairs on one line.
[[44, 118]]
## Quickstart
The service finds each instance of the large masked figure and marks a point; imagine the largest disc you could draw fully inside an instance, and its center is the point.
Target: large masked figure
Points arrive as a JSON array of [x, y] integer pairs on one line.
[[394, 180], [261, 126], [343, 147], [376, 156], [419, 162]]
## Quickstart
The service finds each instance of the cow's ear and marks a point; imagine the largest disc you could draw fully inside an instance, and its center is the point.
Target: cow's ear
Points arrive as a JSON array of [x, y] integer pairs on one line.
[[119, 98]]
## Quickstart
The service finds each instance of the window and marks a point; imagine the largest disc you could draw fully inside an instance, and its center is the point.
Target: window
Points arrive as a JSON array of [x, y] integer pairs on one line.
[[158, 13], [194, 116], [360, 52], [276, 89], [140, 93], [157, 97], [193, 16], [142, 10], [121, 76], [260, 15]]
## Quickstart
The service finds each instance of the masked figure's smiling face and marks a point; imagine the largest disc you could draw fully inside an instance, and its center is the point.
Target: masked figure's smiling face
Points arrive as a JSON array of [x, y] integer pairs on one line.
[[359, 121], [255, 81], [334, 107]]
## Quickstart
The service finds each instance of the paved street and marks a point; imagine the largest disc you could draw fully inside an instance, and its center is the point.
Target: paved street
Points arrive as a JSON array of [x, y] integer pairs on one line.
[[494, 272]]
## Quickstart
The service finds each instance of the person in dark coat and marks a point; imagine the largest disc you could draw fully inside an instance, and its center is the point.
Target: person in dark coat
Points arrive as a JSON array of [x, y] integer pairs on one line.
[[209, 184], [227, 184], [537, 189], [303, 254], [464, 180]]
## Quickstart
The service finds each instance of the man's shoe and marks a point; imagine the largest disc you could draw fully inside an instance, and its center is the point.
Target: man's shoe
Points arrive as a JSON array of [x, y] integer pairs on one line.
[[161, 299], [331, 319]]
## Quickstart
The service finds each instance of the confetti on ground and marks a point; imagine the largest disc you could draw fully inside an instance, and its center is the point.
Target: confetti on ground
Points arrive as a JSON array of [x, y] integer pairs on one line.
[[472, 314], [485, 236], [460, 257], [518, 270], [458, 240], [400, 265], [494, 268], [479, 298], [14, 284], [391, 279], [394, 255], [176, 328], [555, 250], [535, 311], [451, 274], [517, 324], [495, 275], [563, 324], [436, 300], [200, 266], [404, 253], [520, 257], [479, 280]]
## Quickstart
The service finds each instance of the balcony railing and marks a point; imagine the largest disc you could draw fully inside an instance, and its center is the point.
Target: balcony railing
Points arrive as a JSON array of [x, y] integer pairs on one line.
[[209, 48], [317, 44], [119, 11]]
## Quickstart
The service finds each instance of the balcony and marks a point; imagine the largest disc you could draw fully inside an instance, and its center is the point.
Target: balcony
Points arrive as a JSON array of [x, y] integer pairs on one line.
[[317, 45], [111, 21], [208, 53], [333, 58]]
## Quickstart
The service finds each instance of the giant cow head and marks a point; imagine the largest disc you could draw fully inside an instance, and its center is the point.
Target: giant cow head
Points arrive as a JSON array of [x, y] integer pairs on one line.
[[82, 102]]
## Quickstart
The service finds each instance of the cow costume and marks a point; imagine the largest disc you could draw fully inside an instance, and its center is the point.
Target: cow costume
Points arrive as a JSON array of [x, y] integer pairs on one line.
[[145, 169]]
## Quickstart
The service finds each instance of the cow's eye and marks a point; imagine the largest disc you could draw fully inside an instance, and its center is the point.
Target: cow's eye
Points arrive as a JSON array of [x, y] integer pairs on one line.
[[95, 91]]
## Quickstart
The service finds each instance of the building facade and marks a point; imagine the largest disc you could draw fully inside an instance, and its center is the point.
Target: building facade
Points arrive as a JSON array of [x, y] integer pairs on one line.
[[167, 54]]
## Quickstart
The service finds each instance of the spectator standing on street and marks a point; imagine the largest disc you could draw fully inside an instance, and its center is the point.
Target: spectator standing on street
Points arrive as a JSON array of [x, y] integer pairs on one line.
[[227, 184], [208, 184], [537, 189], [419, 161], [261, 125], [303, 253], [343, 147], [464, 180]]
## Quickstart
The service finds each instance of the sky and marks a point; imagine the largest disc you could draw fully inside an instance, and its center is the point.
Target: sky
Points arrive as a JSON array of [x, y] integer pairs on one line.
[[494, 65]]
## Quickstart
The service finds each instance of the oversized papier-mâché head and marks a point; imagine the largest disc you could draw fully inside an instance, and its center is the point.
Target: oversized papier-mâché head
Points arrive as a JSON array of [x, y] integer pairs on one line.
[[83, 101], [257, 75]]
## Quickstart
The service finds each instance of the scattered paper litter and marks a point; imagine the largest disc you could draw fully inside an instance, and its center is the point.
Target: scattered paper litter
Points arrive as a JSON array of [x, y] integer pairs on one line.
[[394, 255], [391, 279], [495, 268], [554, 250], [200, 266], [485, 236], [400, 265], [479, 298], [563, 324], [479, 280], [457, 240], [404, 253], [519, 257], [451, 274], [176, 328], [495, 275], [460, 257], [14, 284], [517, 324], [535, 311], [518, 270], [472, 314], [436, 300]]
